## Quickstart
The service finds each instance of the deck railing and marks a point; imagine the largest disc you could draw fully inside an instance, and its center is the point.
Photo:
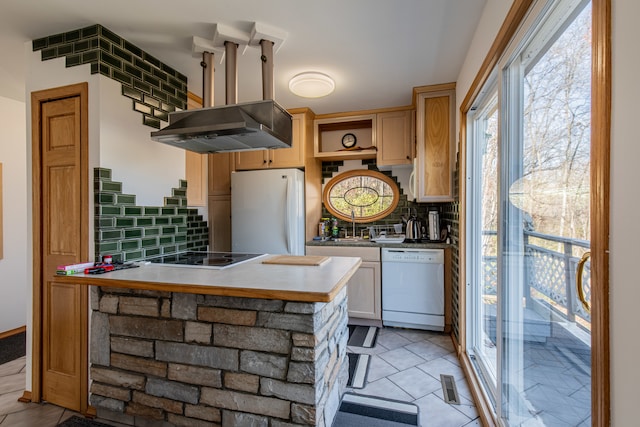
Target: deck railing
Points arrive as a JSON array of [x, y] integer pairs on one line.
[[550, 273]]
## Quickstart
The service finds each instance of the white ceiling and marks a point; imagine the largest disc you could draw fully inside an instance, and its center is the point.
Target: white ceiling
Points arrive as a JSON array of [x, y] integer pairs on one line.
[[376, 50]]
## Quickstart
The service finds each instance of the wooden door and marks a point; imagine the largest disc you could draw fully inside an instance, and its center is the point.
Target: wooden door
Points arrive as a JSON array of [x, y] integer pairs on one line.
[[435, 117], [394, 138], [253, 159], [220, 167], [220, 223], [363, 292], [59, 120], [290, 157]]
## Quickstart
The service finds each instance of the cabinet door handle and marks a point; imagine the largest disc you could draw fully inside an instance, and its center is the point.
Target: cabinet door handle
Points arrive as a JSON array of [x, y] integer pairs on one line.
[[579, 270]]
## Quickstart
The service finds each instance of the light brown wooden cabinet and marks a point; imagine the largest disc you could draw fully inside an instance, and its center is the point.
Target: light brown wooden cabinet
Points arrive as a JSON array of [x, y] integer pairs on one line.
[[364, 289], [195, 166], [220, 168], [435, 141], [293, 157], [395, 140]]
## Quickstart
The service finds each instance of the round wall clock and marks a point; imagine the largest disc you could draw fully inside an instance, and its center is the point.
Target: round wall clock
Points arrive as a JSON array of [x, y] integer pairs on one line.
[[348, 140]]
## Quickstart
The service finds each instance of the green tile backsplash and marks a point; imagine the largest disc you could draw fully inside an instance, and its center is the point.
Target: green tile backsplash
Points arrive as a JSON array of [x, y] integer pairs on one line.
[[129, 232], [330, 168], [155, 89]]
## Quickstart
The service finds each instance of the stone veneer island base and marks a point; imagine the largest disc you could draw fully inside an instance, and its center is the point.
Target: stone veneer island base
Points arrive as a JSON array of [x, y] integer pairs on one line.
[[161, 357]]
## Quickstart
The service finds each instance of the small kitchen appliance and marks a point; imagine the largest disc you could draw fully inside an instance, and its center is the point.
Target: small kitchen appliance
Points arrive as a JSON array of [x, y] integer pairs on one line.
[[434, 225], [414, 229]]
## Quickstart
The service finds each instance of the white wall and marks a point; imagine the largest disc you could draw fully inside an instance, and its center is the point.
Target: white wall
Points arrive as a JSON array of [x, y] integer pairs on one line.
[[146, 168], [492, 18], [625, 210], [625, 200], [117, 140], [13, 267]]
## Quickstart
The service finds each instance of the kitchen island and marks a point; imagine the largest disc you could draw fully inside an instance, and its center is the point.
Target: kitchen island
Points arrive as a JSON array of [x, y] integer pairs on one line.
[[253, 344]]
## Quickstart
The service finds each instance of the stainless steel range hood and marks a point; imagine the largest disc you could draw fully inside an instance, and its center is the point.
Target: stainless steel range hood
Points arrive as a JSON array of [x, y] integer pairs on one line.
[[247, 126], [259, 125]]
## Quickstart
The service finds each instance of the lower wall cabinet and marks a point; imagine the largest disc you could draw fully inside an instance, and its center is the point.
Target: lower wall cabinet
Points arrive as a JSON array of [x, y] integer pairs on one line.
[[364, 290]]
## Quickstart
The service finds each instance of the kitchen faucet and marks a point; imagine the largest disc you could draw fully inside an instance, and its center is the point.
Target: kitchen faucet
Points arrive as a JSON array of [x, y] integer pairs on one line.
[[353, 223]]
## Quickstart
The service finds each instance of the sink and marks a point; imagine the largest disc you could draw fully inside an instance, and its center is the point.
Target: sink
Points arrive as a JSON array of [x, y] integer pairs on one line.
[[349, 239], [392, 238]]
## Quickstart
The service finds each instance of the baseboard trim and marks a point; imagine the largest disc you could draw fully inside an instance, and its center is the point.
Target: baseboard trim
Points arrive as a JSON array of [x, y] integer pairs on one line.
[[13, 332], [26, 397], [481, 401], [91, 412]]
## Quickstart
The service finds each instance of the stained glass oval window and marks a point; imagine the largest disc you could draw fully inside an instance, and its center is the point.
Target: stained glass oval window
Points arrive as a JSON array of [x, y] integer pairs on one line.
[[370, 195]]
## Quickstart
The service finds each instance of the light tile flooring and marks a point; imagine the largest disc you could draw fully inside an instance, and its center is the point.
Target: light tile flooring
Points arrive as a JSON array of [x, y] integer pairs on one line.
[[405, 365], [16, 414]]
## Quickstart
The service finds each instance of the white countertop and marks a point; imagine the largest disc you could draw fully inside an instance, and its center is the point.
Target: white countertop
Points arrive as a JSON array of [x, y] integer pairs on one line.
[[251, 279]]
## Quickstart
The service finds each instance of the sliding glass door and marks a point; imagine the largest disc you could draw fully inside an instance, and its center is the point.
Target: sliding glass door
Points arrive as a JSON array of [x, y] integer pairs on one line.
[[484, 200], [528, 186]]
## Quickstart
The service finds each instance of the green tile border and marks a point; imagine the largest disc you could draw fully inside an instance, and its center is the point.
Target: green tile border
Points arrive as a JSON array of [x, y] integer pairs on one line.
[[130, 232], [155, 88]]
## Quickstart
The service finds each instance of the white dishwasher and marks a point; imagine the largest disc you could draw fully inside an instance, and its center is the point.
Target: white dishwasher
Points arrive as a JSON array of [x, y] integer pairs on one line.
[[413, 288]]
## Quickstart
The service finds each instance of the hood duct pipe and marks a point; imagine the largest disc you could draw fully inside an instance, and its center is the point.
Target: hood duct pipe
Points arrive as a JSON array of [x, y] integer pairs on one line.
[[258, 125], [231, 72], [267, 68]]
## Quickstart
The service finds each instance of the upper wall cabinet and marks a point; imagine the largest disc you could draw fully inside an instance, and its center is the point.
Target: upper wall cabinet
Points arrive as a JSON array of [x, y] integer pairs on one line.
[[345, 137], [385, 135], [435, 130], [395, 138], [195, 167], [293, 157]]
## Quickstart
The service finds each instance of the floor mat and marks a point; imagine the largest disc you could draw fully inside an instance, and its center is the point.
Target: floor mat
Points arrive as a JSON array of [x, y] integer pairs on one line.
[[362, 336], [12, 347], [368, 411], [358, 368], [77, 421]]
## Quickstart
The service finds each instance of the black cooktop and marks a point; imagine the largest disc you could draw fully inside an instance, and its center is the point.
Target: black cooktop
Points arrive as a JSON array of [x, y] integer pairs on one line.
[[203, 259]]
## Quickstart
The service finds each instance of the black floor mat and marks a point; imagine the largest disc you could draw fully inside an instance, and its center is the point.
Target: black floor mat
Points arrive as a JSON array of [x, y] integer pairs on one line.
[[362, 336], [358, 369], [77, 421], [370, 411], [13, 347]]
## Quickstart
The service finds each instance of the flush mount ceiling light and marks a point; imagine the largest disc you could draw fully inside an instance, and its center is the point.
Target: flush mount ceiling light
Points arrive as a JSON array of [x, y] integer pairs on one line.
[[311, 85]]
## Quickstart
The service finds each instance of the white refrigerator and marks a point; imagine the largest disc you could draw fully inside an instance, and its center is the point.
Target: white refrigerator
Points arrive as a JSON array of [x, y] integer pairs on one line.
[[267, 211]]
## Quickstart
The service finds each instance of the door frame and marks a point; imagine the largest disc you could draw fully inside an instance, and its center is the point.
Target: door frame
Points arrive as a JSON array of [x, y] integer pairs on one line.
[[37, 99], [600, 205]]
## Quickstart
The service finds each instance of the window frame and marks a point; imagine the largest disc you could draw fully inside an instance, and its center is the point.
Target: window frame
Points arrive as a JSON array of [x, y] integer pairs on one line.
[[360, 172]]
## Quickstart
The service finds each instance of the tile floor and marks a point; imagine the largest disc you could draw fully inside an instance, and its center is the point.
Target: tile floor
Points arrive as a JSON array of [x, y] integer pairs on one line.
[[405, 365]]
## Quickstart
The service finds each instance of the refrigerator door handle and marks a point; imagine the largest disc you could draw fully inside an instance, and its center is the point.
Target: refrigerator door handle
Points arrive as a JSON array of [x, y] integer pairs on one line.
[[287, 213]]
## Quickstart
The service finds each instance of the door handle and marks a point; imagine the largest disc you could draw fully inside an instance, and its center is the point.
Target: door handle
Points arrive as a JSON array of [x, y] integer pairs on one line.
[[579, 271]]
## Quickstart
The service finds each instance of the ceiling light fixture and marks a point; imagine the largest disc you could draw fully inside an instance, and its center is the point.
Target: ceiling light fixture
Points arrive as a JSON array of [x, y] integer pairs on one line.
[[311, 84]]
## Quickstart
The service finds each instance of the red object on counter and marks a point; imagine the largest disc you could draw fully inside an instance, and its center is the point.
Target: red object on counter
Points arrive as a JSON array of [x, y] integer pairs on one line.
[[99, 269]]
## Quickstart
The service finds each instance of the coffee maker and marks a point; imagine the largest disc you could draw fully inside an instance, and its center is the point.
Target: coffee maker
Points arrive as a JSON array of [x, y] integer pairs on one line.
[[433, 225]]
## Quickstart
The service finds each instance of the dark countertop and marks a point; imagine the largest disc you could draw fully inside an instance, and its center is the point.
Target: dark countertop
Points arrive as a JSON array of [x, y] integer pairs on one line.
[[367, 243]]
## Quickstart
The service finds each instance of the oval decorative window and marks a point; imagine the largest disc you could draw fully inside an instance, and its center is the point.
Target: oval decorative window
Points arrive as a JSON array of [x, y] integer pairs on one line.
[[370, 195]]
